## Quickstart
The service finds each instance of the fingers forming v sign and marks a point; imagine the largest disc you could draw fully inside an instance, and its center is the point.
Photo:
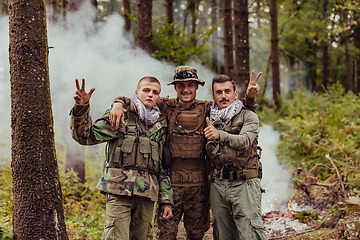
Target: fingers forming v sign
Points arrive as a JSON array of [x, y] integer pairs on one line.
[[253, 88], [82, 97]]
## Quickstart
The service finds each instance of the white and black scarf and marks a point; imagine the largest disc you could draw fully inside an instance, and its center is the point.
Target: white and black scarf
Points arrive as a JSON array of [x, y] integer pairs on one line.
[[223, 116], [149, 117]]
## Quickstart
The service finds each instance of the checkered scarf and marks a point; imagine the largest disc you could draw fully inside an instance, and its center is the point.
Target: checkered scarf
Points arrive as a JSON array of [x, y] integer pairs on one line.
[[149, 117], [223, 116]]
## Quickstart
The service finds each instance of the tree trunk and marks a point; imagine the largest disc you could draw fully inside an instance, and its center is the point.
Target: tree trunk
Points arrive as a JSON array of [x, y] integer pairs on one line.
[[325, 58], [143, 36], [75, 159], [169, 12], [228, 39], [266, 78], [51, 9], [38, 202], [357, 45], [242, 57], [350, 77], [74, 5], [275, 69], [127, 11], [214, 39], [64, 9], [94, 3]]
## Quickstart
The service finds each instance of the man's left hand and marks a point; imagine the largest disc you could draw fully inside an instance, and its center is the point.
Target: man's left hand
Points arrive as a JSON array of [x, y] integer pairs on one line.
[[166, 213], [253, 87], [211, 133]]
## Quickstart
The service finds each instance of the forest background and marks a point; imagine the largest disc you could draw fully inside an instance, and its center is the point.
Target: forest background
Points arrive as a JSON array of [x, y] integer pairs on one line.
[[309, 90]]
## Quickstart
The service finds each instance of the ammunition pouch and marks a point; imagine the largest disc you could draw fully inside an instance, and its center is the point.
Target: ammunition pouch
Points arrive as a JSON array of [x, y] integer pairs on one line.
[[186, 145], [166, 158]]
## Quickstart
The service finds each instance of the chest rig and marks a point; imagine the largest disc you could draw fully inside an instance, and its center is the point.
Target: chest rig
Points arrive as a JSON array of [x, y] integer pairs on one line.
[[135, 151], [186, 130], [230, 163]]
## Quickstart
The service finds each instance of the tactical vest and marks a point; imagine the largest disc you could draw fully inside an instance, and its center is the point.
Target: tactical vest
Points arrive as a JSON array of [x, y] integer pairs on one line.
[[230, 163], [133, 151], [186, 130]]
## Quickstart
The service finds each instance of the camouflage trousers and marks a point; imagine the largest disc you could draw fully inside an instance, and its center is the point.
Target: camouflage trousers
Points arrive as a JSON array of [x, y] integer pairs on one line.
[[128, 218], [236, 208], [193, 202]]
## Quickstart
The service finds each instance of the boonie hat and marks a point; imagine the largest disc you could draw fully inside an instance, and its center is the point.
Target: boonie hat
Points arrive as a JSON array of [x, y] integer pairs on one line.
[[186, 73]]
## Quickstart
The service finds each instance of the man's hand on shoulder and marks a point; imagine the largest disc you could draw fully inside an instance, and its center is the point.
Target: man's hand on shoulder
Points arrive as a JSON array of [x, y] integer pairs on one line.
[[116, 115]]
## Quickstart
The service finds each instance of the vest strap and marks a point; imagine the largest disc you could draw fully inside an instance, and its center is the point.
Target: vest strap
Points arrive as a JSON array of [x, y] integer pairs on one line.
[[192, 177]]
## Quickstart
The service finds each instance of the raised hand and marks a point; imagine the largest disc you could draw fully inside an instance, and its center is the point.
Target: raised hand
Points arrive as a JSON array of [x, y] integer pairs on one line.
[[211, 133], [116, 115], [253, 87], [82, 97]]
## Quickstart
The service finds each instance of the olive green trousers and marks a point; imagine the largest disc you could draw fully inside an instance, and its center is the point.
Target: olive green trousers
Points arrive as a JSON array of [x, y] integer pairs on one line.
[[128, 218], [236, 208]]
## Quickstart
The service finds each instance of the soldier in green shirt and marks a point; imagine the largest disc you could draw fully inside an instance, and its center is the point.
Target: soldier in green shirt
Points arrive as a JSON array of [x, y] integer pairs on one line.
[[133, 178]]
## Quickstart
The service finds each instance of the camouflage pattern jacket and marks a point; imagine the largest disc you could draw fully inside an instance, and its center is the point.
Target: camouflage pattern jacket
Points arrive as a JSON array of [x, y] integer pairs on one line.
[[122, 181]]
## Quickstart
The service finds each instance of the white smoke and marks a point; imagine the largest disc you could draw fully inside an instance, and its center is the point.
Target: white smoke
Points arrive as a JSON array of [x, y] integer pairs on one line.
[[275, 179]]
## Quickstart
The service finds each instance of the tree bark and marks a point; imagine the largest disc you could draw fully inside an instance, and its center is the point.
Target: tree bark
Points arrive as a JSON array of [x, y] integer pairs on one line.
[[350, 77], [38, 202], [169, 13], [143, 36], [51, 8], [214, 39], [242, 57], [228, 39], [127, 11], [357, 56], [325, 46], [275, 69]]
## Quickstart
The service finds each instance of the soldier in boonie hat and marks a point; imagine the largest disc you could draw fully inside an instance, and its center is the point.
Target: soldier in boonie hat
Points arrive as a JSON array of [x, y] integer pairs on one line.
[[186, 73]]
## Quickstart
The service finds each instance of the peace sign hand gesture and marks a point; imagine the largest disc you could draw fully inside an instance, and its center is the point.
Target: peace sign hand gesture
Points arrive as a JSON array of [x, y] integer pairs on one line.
[[81, 97], [253, 87]]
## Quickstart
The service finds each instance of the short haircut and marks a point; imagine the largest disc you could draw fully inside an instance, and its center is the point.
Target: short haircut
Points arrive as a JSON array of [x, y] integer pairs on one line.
[[221, 79], [149, 79]]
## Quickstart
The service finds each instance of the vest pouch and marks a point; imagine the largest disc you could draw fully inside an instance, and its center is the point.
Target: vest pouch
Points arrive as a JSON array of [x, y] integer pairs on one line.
[[116, 156], [213, 151], [143, 154], [186, 146], [128, 150], [154, 163]]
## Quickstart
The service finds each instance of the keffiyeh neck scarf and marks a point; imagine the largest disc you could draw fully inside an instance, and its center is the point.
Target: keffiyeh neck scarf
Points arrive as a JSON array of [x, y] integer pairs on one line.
[[223, 116], [149, 117]]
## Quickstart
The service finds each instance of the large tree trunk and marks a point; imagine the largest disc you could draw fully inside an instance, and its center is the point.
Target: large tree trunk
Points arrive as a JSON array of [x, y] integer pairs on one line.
[[228, 39], [242, 57], [214, 39], [275, 69], [51, 8], [127, 11], [169, 12], [143, 36], [38, 202]]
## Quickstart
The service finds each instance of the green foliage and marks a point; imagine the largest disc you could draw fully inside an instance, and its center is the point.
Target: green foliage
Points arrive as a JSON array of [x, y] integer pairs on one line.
[[178, 47], [312, 125], [6, 202]]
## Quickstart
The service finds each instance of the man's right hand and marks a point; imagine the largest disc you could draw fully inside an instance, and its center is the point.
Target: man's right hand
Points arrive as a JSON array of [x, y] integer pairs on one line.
[[117, 115], [253, 87], [81, 97]]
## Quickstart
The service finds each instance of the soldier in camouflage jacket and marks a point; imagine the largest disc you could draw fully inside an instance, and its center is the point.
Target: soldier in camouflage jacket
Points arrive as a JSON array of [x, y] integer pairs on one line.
[[136, 188]]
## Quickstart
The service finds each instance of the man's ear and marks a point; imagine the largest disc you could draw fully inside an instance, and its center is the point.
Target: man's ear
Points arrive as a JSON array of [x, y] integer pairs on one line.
[[236, 95], [136, 92], [197, 86]]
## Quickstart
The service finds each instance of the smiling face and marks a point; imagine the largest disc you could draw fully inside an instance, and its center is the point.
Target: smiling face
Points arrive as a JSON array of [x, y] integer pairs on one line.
[[186, 92], [224, 94], [148, 93]]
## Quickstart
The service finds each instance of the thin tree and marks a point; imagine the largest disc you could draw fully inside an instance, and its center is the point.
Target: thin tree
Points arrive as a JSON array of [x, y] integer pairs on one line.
[[357, 56], [228, 38], [143, 35], [127, 12], [37, 198], [51, 6], [325, 46], [350, 76], [214, 38], [169, 14], [275, 69], [241, 49]]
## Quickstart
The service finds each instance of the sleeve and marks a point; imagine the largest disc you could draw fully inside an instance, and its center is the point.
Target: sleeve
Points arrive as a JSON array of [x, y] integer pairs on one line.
[[124, 100], [87, 133], [166, 192], [249, 103], [248, 133]]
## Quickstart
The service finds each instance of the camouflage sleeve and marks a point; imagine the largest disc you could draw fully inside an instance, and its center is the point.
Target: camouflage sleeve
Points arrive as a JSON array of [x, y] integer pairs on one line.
[[124, 100], [85, 132], [249, 103], [166, 192]]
